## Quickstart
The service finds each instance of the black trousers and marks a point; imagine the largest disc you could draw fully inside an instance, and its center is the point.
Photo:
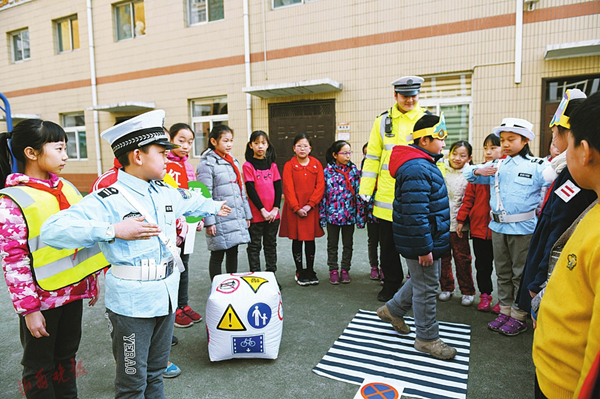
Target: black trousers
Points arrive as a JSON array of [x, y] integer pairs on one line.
[[49, 365], [373, 243], [263, 234], [390, 259], [333, 239], [216, 259], [484, 264]]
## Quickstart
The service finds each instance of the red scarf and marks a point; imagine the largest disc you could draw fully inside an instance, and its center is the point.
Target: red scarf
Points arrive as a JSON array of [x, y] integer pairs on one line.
[[238, 177], [346, 174], [63, 202]]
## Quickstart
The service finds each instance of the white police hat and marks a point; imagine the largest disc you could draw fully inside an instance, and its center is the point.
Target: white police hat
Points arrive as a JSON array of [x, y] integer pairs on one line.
[[408, 85], [137, 132], [515, 125]]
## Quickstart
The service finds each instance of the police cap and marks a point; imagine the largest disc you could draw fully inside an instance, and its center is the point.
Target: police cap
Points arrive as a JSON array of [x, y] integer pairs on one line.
[[137, 132], [408, 85]]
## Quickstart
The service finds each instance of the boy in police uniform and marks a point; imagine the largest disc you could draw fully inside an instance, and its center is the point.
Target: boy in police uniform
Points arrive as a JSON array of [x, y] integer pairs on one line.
[[134, 223]]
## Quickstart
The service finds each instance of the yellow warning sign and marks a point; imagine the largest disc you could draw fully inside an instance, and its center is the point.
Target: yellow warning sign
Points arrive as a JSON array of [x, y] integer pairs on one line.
[[255, 282], [230, 321]]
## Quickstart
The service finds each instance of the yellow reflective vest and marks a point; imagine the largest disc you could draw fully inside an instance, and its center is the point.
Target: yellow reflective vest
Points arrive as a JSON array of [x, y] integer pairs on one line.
[[376, 167], [52, 268]]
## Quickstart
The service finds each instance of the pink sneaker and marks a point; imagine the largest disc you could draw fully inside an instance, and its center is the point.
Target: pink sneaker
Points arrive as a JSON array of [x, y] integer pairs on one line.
[[496, 308], [485, 303], [374, 273], [334, 277], [345, 277]]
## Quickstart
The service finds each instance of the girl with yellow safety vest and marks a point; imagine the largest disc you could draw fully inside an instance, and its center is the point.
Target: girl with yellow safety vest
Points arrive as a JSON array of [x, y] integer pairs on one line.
[[47, 286]]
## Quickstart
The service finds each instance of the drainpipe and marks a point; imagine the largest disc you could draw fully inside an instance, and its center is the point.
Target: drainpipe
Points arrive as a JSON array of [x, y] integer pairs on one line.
[[94, 88], [518, 40], [247, 65]]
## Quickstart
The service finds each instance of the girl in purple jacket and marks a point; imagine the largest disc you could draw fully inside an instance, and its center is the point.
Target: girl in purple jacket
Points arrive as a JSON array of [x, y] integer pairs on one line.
[[341, 208]]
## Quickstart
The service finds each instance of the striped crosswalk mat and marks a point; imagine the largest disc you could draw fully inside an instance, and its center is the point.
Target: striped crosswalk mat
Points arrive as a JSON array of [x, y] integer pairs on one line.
[[369, 347]]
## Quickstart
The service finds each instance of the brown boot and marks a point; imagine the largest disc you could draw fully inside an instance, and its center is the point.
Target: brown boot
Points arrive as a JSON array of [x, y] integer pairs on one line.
[[438, 349], [398, 323]]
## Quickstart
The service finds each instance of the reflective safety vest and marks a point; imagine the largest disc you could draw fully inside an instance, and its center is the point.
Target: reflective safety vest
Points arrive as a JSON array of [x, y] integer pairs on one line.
[[53, 268], [376, 167]]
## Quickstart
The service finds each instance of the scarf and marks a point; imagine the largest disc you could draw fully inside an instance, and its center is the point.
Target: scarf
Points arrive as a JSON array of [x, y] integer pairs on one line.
[[238, 177], [340, 168], [63, 203]]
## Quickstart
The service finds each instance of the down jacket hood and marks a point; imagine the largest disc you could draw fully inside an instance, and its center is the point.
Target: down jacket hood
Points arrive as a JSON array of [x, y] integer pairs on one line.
[[404, 153]]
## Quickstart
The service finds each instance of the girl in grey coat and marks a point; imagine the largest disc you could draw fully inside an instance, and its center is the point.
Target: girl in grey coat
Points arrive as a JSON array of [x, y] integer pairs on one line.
[[221, 173]]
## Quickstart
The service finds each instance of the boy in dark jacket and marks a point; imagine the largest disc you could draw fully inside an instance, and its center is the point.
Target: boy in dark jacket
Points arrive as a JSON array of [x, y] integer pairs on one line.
[[421, 232]]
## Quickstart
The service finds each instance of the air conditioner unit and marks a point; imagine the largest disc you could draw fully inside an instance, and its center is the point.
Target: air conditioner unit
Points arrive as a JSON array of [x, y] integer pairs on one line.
[[530, 4]]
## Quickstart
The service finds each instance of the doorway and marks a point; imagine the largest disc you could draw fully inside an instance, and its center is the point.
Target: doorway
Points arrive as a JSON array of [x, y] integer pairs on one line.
[[315, 118]]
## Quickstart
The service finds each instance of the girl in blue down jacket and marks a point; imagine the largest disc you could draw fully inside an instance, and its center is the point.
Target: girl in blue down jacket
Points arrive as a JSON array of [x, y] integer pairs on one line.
[[221, 173], [341, 208]]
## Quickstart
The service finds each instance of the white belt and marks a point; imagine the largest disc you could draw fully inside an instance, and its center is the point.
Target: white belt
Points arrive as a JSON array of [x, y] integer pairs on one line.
[[148, 271], [504, 218]]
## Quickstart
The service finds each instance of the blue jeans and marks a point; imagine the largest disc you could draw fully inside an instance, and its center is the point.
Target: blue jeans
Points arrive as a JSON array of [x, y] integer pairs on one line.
[[419, 292]]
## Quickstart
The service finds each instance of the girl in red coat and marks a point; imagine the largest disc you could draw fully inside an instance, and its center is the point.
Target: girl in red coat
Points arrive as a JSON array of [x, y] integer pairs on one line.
[[303, 187], [476, 210]]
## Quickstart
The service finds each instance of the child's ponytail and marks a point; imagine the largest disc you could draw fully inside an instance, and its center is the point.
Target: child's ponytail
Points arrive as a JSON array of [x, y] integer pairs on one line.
[[34, 133], [5, 158]]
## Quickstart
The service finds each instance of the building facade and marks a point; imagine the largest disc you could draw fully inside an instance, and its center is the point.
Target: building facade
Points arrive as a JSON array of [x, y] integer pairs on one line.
[[320, 67]]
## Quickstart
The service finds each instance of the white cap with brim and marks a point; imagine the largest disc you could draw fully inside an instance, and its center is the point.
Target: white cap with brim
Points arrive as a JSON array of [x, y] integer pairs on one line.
[[515, 125], [408, 85], [137, 132]]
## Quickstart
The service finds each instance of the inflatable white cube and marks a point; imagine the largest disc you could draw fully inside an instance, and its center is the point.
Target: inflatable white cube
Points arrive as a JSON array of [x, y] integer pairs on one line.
[[244, 316]]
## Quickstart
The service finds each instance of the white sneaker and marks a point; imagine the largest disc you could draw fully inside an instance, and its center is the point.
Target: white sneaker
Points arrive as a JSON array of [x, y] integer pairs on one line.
[[445, 296], [467, 300]]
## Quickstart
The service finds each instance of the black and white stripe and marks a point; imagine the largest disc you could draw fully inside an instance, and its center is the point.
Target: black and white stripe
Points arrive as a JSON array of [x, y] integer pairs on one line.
[[369, 347]]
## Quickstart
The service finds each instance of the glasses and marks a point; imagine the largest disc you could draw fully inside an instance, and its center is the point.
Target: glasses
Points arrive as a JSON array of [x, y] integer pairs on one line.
[[347, 153], [302, 146]]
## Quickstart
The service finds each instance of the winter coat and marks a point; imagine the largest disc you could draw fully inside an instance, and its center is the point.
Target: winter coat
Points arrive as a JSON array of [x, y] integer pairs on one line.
[[220, 179], [456, 185], [557, 215], [421, 208], [302, 185], [475, 210], [341, 205], [26, 295]]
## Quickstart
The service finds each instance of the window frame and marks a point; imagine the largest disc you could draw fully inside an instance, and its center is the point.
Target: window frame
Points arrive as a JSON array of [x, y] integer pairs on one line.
[[58, 22], [211, 119], [438, 103], [76, 130], [13, 34], [132, 18], [292, 3], [207, 13]]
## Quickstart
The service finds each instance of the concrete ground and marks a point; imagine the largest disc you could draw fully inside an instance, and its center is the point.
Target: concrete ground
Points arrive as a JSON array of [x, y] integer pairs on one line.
[[314, 317]]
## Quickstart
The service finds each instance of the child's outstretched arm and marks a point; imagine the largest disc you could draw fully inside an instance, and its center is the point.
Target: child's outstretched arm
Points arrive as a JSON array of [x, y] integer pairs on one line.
[[480, 174]]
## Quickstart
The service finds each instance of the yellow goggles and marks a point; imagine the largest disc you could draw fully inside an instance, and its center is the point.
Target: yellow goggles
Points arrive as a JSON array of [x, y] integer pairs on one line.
[[439, 131], [559, 118]]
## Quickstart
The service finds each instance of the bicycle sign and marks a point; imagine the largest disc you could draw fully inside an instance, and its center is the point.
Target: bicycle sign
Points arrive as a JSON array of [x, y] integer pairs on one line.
[[248, 344]]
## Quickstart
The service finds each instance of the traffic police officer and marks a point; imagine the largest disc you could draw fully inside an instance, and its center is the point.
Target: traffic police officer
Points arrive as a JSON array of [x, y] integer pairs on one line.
[[389, 129], [142, 284]]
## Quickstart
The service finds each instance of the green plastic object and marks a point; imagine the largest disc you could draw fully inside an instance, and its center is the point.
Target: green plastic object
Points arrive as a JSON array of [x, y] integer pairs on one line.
[[197, 186]]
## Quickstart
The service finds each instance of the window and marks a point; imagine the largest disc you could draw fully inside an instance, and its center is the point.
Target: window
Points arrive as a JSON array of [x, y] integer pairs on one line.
[[20, 45], [130, 20], [207, 113], [204, 11], [67, 32], [450, 94], [283, 3], [74, 125]]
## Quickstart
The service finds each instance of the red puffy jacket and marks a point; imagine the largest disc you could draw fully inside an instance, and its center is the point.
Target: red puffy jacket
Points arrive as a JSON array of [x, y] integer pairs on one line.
[[476, 210]]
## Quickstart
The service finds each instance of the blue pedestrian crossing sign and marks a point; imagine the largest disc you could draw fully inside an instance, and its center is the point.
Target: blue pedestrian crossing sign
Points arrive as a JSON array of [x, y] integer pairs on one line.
[[259, 315]]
